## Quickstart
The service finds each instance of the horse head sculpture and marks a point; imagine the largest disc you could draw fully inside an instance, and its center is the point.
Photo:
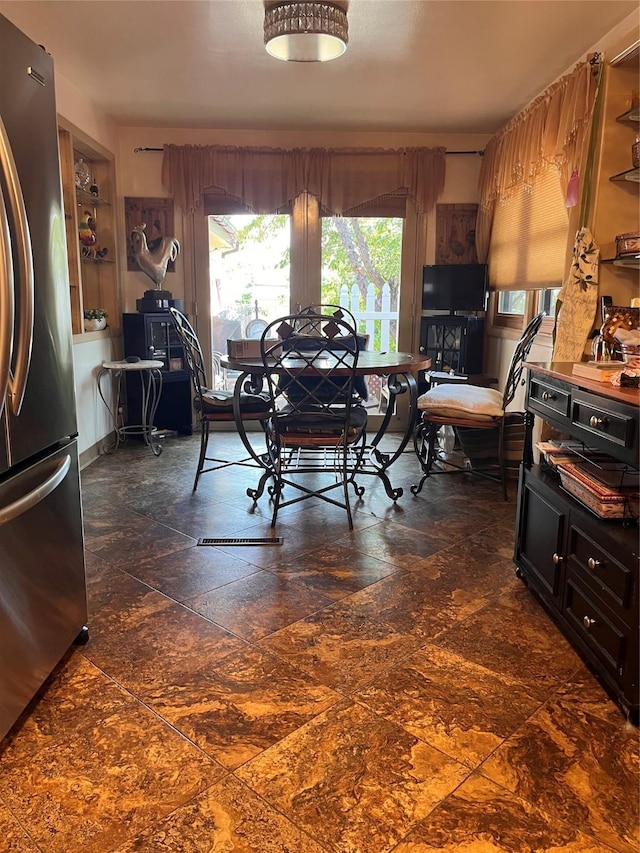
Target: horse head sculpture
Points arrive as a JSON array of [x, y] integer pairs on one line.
[[154, 262]]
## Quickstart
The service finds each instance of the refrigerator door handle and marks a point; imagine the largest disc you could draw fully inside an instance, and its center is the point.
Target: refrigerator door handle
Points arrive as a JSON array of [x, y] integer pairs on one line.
[[6, 303], [28, 501], [24, 340]]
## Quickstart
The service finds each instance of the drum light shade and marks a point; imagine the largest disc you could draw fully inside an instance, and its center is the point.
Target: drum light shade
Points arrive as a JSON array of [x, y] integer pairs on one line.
[[305, 32]]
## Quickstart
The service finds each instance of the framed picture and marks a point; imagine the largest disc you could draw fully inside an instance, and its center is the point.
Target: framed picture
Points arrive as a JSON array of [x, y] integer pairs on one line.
[[456, 233], [157, 215]]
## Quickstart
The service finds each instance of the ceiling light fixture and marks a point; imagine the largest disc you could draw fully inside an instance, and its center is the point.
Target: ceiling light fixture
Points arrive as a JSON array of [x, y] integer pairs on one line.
[[305, 32]]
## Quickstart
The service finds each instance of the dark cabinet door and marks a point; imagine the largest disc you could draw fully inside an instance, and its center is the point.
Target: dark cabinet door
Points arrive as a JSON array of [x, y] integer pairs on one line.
[[453, 343], [540, 545]]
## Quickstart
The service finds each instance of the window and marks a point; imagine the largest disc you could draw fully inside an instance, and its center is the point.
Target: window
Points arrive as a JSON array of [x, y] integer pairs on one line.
[[361, 262], [511, 302], [361, 270], [548, 299]]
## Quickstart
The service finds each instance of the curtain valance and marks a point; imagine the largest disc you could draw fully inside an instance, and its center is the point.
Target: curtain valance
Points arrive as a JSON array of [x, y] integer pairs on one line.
[[550, 132], [266, 179]]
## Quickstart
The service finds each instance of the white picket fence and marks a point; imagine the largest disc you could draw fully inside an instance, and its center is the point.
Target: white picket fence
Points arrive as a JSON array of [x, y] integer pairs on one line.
[[370, 318]]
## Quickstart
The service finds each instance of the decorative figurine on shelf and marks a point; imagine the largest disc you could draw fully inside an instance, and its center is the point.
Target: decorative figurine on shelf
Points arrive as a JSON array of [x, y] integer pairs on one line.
[[87, 229], [93, 189], [154, 262], [81, 174]]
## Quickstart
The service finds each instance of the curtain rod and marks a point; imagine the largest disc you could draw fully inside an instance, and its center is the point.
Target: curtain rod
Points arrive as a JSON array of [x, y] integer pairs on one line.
[[479, 153]]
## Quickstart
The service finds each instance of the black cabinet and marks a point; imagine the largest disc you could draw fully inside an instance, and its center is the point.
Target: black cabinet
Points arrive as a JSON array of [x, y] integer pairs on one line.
[[153, 336], [453, 342], [584, 568]]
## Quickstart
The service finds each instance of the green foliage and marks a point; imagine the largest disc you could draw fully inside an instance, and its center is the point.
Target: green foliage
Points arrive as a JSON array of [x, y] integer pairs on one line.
[[361, 250], [95, 314], [354, 249]]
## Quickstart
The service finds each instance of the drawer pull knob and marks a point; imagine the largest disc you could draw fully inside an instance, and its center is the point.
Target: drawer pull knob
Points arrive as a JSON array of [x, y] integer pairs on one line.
[[557, 559], [587, 621], [547, 396], [597, 423], [594, 564]]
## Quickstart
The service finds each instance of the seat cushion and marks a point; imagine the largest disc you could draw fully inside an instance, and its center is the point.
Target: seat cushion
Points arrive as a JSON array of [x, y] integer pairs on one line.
[[221, 401], [326, 424], [462, 401]]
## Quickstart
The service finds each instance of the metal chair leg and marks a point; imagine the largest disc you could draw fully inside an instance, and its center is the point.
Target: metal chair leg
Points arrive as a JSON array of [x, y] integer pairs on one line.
[[502, 461], [424, 444], [204, 441]]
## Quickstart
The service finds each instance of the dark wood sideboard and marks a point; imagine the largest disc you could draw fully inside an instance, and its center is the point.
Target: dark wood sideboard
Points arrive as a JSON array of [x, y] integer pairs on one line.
[[583, 568]]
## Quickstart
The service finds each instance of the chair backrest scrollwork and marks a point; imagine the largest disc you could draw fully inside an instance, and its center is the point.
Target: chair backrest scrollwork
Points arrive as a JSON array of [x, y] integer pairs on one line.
[[518, 358], [312, 359], [192, 351]]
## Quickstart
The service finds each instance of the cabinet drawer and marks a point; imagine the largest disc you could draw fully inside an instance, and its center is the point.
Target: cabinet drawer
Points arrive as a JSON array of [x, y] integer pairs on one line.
[[601, 570], [547, 398], [600, 418], [586, 616]]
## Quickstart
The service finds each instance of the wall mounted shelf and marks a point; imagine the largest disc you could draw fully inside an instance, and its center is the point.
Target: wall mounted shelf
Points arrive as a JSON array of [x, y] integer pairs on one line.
[[632, 175], [632, 115], [631, 262]]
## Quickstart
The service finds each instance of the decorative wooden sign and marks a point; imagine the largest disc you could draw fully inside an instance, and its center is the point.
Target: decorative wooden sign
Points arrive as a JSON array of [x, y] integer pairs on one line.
[[456, 233], [157, 215]]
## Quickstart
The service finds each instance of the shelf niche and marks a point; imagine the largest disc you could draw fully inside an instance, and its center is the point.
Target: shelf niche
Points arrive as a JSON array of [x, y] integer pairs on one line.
[[93, 280]]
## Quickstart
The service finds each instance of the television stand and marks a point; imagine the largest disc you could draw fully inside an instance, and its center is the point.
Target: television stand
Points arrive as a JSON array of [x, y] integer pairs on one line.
[[453, 342]]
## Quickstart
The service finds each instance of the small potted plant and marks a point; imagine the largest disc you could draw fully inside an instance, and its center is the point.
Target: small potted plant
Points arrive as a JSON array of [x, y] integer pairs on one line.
[[95, 319]]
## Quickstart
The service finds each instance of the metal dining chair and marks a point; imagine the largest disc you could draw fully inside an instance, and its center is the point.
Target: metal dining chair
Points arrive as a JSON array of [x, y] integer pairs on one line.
[[316, 424], [470, 410], [215, 405]]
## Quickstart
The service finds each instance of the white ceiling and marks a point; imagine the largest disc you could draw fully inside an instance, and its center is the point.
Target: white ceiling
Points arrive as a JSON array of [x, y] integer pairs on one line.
[[412, 65]]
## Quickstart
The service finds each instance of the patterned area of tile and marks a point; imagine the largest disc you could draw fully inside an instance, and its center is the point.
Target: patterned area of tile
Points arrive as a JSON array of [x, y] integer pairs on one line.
[[185, 574], [187, 645], [90, 765], [531, 650], [462, 709], [258, 605], [241, 706], [481, 817], [13, 839], [227, 817], [577, 767], [335, 573], [340, 648], [369, 783]]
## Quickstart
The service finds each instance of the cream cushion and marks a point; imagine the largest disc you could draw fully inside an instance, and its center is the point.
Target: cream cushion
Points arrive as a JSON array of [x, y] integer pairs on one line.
[[462, 401]]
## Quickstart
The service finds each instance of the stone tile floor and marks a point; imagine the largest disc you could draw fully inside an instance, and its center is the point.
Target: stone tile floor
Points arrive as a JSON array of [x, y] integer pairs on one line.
[[394, 688]]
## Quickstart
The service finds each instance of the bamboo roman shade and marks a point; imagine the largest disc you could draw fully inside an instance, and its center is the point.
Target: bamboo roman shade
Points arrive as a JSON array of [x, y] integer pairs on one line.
[[267, 179]]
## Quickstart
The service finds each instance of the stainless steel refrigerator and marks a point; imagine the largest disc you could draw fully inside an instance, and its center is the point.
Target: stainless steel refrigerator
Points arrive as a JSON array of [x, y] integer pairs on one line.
[[42, 575]]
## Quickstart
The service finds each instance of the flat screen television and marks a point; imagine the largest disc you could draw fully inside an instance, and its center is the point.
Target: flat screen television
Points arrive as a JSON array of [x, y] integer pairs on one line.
[[454, 287]]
